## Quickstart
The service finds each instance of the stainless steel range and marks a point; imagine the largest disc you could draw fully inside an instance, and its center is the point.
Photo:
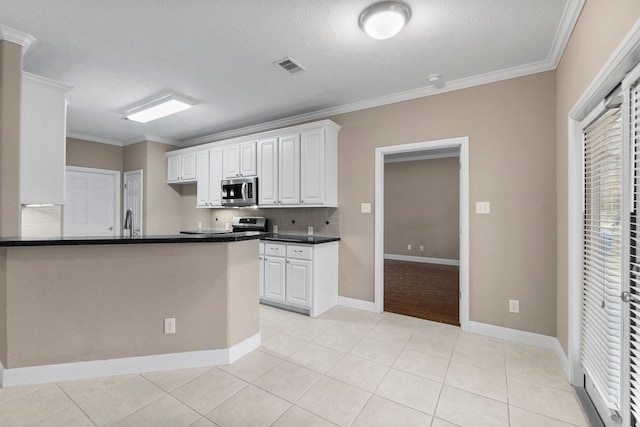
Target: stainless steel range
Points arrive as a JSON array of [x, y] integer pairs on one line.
[[239, 223]]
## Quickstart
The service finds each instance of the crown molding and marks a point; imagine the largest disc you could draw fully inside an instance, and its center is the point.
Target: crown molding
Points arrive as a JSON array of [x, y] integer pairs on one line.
[[45, 81], [18, 37], [567, 22], [491, 77], [91, 138], [151, 138]]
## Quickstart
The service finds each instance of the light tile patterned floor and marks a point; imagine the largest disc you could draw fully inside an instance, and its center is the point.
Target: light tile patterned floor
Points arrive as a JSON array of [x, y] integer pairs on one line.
[[347, 368]]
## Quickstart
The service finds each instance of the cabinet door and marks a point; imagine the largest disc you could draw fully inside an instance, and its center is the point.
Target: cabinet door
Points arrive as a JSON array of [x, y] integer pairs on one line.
[[248, 161], [289, 170], [174, 164], [43, 130], [231, 160], [188, 167], [312, 167], [274, 276], [202, 186], [268, 172], [215, 176], [298, 289]]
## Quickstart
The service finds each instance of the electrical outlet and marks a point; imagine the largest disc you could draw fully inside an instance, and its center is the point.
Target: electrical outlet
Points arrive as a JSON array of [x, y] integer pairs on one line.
[[310, 230], [409, 247], [514, 306], [275, 229], [365, 207], [483, 208], [421, 248], [170, 325]]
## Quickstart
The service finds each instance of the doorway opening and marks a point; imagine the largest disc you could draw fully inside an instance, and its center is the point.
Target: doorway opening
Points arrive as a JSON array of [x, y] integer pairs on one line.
[[455, 149], [421, 235]]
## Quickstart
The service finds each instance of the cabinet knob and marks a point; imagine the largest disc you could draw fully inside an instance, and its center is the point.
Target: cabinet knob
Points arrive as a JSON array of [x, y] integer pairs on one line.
[[275, 203]]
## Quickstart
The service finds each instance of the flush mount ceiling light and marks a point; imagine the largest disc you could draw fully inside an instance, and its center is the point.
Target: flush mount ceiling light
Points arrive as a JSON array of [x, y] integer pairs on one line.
[[385, 19], [161, 107]]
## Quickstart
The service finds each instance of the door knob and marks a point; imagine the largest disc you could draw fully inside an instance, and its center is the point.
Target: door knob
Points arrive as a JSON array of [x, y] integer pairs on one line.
[[627, 297]]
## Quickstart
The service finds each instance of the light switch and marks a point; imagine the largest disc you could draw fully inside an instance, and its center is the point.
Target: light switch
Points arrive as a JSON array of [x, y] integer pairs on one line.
[[365, 208], [483, 208]]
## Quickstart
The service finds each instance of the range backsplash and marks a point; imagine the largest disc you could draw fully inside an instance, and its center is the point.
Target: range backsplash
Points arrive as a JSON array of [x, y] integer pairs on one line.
[[325, 221]]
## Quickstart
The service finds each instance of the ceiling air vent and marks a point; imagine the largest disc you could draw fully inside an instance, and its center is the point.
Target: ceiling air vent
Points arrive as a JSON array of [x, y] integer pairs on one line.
[[289, 65]]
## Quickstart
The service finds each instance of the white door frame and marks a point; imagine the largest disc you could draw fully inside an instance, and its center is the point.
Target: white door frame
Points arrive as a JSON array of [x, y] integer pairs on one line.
[[463, 144], [621, 61], [116, 184], [124, 198]]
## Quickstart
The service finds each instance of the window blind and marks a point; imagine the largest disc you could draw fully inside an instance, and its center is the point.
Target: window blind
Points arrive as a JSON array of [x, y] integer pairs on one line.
[[634, 261], [602, 259]]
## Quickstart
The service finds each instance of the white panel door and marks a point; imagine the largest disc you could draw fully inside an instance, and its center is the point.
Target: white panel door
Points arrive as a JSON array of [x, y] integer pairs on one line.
[[268, 172], [231, 156], [133, 198], [312, 167], [274, 275], [202, 186], [289, 169], [248, 165], [298, 290], [91, 205], [215, 176]]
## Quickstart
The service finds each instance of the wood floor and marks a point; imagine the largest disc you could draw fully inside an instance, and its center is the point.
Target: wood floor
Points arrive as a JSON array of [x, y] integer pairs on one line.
[[427, 291]]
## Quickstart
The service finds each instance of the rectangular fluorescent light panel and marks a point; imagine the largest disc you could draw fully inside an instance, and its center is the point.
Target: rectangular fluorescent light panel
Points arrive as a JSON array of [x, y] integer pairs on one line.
[[165, 106]]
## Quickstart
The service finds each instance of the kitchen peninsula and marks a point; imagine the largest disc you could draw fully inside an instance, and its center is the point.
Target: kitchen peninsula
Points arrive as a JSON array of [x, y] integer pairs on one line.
[[85, 307]]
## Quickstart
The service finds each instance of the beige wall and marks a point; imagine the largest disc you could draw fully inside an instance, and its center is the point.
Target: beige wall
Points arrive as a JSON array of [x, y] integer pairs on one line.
[[94, 155], [10, 89], [511, 130], [104, 302], [421, 207], [598, 32], [162, 203]]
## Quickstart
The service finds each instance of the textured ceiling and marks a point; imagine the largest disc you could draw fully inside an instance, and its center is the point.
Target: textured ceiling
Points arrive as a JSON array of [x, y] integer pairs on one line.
[[221, 53]]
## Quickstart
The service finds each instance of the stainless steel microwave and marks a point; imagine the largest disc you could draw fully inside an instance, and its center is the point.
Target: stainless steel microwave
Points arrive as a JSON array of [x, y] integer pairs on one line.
[[240, 191]]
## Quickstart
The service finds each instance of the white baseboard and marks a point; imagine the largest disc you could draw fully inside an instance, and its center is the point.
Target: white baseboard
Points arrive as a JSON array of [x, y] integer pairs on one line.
[[126, 365], [357, 303], [422, 259], [564, 359], [522, 337]]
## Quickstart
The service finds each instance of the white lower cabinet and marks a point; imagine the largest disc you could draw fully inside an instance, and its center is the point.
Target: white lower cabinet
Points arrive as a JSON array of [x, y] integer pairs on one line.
[[274, 279], [302, 277]]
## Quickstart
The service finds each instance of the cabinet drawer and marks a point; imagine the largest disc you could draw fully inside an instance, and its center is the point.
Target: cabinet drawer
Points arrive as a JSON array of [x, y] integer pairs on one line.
[[275, 249], [299, 251]]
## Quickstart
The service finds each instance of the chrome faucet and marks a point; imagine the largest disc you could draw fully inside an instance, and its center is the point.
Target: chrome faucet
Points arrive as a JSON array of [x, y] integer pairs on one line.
[[129, 223]]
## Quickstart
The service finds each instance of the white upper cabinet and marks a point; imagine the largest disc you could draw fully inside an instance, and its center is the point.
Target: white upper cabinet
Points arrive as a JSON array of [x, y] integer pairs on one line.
[[319, 167], [268, 172], [295, 166], [181, 167], [239, 159], [209, 168], [215, 176], [289, 169], [203, 183], [43, 128]]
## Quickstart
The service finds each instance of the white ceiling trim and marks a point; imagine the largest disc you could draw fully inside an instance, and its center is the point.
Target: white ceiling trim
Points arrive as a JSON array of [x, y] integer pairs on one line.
[[17, 37], [482, 79], [567, 22], [152, 138], [92, 138]]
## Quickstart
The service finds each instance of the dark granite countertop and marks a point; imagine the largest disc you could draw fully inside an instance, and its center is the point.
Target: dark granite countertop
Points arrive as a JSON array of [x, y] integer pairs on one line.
[[110, 240], [295, 238]]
